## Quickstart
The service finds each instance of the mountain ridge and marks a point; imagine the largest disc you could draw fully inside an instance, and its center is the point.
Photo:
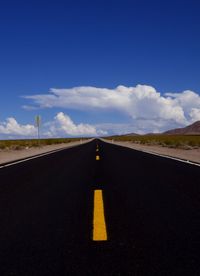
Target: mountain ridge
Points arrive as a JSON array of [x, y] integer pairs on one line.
[[193, 129]]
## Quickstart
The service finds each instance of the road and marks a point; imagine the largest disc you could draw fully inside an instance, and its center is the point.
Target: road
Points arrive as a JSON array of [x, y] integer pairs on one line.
[[150, 207]]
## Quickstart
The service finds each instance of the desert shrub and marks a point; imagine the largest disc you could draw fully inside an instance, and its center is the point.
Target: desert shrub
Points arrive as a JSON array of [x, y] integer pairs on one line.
[[20, 144], [175, 141]]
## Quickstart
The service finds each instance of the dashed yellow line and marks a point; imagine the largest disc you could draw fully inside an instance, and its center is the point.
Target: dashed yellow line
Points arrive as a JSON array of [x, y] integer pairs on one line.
[[99, 224], [97, 157]]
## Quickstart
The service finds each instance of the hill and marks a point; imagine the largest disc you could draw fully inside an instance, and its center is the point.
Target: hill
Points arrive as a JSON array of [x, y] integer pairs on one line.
[[193, 129]]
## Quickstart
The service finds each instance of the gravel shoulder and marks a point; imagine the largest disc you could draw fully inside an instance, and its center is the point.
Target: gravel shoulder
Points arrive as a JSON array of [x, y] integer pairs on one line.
[[192, 155], [7, 156]]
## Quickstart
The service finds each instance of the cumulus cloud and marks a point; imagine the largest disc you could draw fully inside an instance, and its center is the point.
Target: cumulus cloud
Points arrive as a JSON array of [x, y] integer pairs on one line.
[[195, 114], [12, 127], [142, 103], [187, 100], [61, 126]]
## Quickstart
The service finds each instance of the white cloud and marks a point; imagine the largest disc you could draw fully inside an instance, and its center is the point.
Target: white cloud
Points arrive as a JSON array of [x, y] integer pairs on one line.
[[187, 100], [61, 126], [139, 126], [12, 127], [29, 107], [195, 114], [142, 103]]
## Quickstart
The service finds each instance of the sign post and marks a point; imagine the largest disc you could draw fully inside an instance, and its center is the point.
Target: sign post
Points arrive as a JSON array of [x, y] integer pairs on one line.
[[38, 124]]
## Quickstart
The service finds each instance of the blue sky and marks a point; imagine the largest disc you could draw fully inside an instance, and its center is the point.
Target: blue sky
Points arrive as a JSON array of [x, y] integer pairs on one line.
[[100, 44]]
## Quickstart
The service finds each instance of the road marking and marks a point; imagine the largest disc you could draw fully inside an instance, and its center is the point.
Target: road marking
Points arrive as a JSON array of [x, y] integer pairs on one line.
[[99, 224], [97, 157]]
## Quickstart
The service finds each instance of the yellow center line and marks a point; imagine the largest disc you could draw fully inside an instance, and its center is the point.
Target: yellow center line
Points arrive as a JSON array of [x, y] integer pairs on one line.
[[99, 224], [97, 157]]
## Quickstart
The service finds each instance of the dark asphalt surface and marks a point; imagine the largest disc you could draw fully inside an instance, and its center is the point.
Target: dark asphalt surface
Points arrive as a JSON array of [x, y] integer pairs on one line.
[[152, 212]]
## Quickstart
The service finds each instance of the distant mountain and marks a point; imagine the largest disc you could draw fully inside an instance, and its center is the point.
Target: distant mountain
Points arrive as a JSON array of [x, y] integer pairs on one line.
[[124, 135], [131, 134], [191, 129]]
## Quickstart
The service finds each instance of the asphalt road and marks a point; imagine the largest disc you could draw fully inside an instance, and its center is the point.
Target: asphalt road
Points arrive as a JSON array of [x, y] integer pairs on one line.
[[151, 209]]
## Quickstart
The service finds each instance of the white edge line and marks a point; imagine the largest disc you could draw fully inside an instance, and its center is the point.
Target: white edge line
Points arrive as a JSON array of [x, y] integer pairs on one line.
[[157, 154], [37, 156]]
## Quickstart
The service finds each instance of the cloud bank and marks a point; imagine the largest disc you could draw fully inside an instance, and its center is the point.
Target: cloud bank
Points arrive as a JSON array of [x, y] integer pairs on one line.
[[61, 126], [149, 110], [146, 109]]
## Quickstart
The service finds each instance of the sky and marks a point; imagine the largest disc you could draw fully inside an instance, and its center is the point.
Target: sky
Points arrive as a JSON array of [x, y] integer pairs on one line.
[[98, 67]]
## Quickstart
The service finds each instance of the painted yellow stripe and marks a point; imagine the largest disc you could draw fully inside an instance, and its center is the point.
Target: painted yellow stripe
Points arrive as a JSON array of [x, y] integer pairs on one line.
[[99, 224], [97, 157]]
